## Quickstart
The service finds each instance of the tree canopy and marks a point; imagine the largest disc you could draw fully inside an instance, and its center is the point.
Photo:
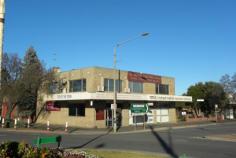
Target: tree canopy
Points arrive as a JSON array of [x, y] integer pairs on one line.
[[229, 85], [212, 93], [22, 79]]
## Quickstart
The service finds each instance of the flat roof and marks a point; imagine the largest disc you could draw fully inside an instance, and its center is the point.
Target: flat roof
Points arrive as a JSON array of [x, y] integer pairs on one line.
[[99, 67]]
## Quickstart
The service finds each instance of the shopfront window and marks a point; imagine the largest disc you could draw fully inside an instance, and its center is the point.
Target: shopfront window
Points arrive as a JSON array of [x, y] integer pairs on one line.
[[78, 85], [136, 87], [162, 89], [77, 110]]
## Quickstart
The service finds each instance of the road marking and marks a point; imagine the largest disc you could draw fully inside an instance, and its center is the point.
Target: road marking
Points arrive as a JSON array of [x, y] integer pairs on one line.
[[222, 137]]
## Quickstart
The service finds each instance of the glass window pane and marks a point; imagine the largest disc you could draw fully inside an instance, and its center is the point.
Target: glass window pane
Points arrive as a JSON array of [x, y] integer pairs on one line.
[[106, 84], [72, 110], [81, 110], [111, 85], [118, 85], [71, 87], [78, 85], [53, 88], [84, 85], [163, 89], [136, 87]]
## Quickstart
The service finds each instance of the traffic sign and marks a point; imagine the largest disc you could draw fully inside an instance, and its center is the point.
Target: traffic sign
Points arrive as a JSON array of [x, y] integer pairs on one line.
[[139, 108]]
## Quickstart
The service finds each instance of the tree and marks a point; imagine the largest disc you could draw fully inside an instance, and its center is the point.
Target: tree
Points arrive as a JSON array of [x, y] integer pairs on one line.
[[21, 81], [229, 85], [33, 76], [197, 92], [226, 83], [212, 93], [10, 81]]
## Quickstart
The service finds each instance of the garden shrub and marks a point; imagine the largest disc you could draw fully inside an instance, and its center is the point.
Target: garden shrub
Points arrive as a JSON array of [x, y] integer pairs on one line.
[[23, 150]]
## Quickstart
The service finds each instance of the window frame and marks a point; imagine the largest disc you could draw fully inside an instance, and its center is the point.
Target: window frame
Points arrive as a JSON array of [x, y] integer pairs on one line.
[[109, 85], [82, 86], [138, 89], [165, 87], [78, 112]]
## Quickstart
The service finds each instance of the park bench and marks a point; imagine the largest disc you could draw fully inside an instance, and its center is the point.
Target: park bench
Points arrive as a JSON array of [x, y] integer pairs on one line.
[[47, 140]]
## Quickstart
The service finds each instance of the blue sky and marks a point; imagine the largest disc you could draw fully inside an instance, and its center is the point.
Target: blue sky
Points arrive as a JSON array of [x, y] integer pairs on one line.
[[191, 40]]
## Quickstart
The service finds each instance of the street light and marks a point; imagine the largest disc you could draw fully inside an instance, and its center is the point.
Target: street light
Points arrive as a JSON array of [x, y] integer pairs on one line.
[[114, 67], [2, 19]]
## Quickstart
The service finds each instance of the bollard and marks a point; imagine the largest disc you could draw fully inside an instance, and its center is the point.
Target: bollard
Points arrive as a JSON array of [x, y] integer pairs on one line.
[[48, 124], [15, 123], [28, 123], [66, 127], [3, 122]]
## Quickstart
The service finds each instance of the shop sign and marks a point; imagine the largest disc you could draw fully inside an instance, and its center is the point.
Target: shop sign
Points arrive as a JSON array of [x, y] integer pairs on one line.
[[141, 77], [50, 106], [113, 106], [139, 108], [64, 96]]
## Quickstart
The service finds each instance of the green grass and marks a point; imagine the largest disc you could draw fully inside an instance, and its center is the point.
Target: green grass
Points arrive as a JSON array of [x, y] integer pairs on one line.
[[123, 154]]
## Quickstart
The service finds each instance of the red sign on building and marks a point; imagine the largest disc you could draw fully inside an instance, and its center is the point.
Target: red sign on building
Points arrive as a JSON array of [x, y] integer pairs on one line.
[[140, 77], [50, 106]]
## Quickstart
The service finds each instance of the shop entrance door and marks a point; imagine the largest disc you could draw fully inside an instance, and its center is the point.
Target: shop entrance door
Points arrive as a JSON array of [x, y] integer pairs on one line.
[[109, 117]]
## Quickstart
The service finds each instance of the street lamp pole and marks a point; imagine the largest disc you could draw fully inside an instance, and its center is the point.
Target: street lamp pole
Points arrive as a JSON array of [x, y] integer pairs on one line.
[[2, 19], [114, 118]]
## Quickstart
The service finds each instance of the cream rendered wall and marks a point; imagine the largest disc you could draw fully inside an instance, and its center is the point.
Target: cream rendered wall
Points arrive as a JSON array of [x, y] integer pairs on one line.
[[95, 78], [61, 117], [100, 74], [125, 117], [87, 73], [172, 115], [171, 82], [149, 88]]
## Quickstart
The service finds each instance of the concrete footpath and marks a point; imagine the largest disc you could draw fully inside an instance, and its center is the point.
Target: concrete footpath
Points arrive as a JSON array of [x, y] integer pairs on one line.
[[39, 128]]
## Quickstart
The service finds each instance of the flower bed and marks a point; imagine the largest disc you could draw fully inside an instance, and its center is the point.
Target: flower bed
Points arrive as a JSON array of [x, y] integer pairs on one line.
[[23, 150]]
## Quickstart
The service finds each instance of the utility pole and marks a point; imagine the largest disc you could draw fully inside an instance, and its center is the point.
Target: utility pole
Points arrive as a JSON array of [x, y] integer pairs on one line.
[[114, 119], [2, 19]]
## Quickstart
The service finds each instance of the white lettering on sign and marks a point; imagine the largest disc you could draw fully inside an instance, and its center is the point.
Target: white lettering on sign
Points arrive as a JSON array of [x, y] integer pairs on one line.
[[169, 98], [138, 105], [64, 96]]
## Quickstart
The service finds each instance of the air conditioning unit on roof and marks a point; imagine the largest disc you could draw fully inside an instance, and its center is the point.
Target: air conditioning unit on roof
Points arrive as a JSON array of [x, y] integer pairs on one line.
[[127, 90], [100, 88]]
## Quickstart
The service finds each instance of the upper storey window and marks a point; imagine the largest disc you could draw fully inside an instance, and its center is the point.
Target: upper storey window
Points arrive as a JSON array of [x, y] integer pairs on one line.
[[109, 85], [136, 87], [162, 88], [78, 85]]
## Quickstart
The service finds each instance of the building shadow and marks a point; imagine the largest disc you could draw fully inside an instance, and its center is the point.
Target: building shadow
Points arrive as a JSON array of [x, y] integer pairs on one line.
[[167, 147], [92, 140]]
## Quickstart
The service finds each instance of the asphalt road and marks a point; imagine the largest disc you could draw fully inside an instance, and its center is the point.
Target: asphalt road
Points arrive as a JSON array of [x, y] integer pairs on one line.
[[174, 142]]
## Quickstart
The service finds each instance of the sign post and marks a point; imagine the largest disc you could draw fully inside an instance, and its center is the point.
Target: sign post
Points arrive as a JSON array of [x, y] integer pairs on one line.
[[139, 109]]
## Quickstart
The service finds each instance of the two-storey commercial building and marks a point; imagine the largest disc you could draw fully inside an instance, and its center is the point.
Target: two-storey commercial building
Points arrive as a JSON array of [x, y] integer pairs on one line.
[[83, 98]]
